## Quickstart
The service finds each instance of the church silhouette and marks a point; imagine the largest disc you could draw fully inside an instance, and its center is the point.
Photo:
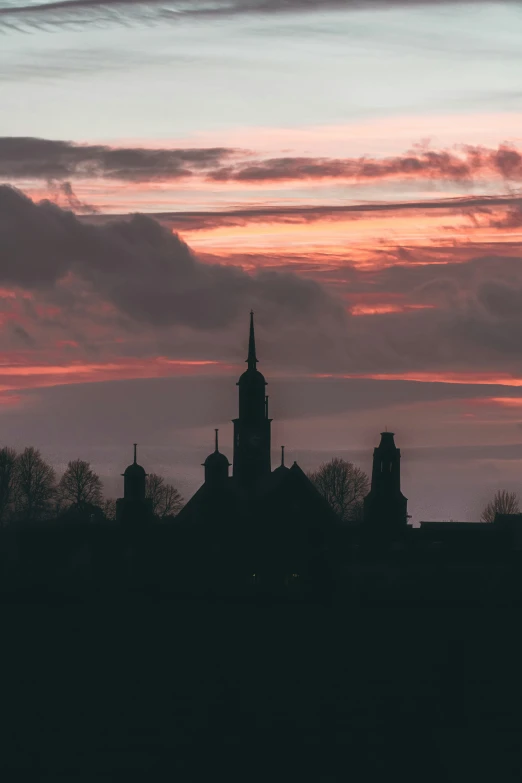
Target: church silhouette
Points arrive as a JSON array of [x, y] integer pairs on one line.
[[267, 533], [272, 528]]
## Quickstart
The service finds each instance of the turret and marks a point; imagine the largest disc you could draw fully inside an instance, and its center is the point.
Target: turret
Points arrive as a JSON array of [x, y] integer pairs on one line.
[[133, 507], [134, 480], [216, 466], [282, 467]]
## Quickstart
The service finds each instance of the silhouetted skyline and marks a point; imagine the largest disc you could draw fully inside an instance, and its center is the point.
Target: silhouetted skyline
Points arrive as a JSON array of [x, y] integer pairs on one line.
[[349, 173], [372, 224]]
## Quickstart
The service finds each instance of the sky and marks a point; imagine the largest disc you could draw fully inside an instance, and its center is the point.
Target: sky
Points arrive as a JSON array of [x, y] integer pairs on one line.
[[351, 171]]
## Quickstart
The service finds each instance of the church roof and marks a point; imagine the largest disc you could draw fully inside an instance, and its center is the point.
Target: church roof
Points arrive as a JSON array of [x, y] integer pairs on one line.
[[281, 486], [282, 468], [134, 470], [216, 459]]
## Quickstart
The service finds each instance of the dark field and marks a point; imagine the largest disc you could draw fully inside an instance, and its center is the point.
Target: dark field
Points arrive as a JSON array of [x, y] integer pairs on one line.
[[136, 686]]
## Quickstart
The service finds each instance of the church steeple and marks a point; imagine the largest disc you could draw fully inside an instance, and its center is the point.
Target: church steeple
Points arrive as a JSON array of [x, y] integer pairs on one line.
[[252, 427], [252, 358]]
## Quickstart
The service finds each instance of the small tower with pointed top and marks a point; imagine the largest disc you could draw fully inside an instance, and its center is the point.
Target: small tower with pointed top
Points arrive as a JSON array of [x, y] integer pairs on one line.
[[251, 459], [385, 507], [133, 507], [282, 469], [216, 466]]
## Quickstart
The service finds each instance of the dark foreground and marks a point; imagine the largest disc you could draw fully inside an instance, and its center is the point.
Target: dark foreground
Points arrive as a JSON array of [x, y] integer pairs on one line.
[[139, 687]]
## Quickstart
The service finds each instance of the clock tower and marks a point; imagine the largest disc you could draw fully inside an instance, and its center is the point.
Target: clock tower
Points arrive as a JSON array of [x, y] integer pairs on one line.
[[252, 427]]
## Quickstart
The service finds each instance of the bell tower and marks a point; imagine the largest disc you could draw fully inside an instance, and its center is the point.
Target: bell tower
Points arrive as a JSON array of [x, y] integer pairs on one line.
[[251, 459], [385, 507]]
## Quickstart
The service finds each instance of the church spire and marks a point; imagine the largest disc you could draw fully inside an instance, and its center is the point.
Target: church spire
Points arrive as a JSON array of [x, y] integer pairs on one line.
[[282, 456], [217, 445], [135, 453], [252, 359]]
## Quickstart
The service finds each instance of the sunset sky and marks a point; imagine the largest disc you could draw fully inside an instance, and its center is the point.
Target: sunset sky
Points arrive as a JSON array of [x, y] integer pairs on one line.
[[351, 171]]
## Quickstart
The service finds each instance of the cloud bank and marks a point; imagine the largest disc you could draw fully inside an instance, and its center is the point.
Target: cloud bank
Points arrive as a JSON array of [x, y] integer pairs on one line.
[[84, 12], [49, 159], [505, 161], [144, 271], [24, 158], [137, 290]]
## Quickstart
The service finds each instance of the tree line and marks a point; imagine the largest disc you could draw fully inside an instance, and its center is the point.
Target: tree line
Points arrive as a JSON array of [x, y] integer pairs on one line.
[[344, 486], [30, 491]]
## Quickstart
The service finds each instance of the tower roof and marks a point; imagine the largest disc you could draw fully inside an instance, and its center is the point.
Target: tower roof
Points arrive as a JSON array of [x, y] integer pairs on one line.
[[252, 374], [282, 467], [387, 440], [216, 458], [134, 469]]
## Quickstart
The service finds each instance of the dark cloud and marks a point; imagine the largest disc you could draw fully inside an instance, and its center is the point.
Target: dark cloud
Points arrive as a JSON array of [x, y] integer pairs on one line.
[[145, 271], [505, 161], [63, 191], [168, 302], [33, 158], [82, 12], [194, 220], [48, 159]]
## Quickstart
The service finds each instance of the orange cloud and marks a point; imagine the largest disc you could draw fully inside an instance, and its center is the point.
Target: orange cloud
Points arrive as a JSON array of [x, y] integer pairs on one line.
[[511, 402], [497, 379], [20, 376], [388, 308]]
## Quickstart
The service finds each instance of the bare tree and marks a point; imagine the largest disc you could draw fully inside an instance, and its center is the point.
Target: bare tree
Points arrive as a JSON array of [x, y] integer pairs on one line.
[[7, 481], [343, 485], [154, 489], [165, 499], [108, 507], [503, 503], [34, 488], [80, 486], [172, 502]]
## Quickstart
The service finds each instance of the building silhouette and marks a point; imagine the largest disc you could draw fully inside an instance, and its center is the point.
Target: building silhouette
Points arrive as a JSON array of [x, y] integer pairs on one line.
[[216, 466], [271, 527], [269, 532], [134, 508], [385, 507]]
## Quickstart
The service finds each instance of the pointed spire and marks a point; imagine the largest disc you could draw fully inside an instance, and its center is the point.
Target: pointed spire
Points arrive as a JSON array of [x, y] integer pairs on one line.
[[217, 447], [252, 359], [135, 453], [282, 456]]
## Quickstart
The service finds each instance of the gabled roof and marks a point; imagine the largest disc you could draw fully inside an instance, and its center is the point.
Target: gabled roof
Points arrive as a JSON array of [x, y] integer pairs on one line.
[[229, 499]]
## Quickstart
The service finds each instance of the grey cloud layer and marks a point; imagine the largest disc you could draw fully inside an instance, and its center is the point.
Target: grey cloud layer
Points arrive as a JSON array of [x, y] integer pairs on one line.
[[447, 165], [158, 290], [144, 270], [34, 158], [195, 220], [82, 12]]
